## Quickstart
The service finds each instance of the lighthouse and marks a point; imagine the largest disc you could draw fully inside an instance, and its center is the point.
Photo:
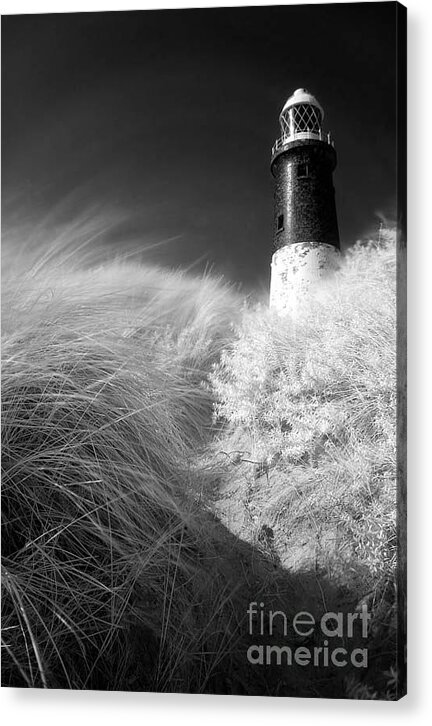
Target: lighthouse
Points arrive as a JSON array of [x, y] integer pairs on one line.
[[305, 228]]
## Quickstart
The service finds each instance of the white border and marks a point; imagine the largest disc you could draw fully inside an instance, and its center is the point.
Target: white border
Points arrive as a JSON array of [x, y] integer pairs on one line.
[[45, 707]]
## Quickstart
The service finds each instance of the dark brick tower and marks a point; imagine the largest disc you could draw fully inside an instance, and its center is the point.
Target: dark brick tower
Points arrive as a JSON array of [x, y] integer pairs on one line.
[[305, 232]]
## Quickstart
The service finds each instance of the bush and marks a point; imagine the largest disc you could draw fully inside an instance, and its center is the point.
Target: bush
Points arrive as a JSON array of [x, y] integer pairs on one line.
[[315, 398]]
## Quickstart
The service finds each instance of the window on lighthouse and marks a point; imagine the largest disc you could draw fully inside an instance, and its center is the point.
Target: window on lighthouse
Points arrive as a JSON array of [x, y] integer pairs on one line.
[[302, 170], [280, 222]]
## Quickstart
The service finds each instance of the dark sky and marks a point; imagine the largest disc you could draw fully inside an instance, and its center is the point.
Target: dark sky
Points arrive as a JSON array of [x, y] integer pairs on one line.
[[168, 118]]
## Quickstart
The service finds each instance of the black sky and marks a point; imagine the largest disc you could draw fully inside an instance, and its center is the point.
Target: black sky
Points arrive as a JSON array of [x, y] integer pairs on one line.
[[169, 117]]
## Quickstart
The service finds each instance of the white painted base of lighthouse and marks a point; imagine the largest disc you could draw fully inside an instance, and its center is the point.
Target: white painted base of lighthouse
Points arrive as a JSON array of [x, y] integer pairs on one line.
[[294, 271]]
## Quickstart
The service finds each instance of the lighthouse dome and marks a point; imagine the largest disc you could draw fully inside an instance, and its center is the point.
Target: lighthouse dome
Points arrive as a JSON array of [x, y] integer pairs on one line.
[[301, 95]]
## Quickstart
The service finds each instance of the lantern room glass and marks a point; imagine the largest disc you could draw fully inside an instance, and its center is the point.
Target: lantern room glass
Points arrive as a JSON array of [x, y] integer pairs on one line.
[[300, 119]]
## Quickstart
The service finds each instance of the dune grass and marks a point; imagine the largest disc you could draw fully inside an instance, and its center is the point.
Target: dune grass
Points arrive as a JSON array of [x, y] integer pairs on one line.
[[112, 576], [122, 567]]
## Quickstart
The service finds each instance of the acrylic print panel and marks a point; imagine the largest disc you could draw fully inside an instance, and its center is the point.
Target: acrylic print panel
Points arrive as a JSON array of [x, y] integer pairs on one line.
[[203, 351]]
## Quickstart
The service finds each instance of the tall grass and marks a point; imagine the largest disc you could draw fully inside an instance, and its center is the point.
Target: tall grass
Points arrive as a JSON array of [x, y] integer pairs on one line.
[[113, 577], [116, 572]]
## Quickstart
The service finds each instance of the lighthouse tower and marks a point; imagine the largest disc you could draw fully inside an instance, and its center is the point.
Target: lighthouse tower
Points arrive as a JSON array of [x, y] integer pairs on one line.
[[305, 230]]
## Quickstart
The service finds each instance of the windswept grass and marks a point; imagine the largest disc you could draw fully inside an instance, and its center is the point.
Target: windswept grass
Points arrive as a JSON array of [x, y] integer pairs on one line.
[[135, 533], [112, 576]]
